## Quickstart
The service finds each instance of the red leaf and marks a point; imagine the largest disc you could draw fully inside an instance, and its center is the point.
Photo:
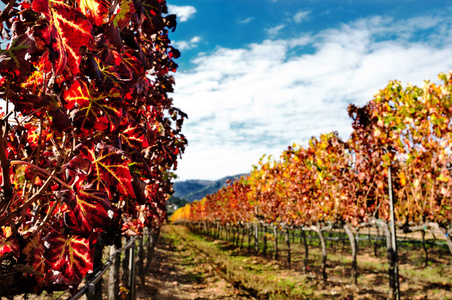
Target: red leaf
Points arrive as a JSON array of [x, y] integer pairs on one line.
[[27, 104], [88, 210], [77, 95], [8, 245], [109, 168], [134, 136], [77, 170], [35, 257], [92, 110], [132, 228], [13, 61], [95, 10], [70, 255], [62, 23], [132, 63]]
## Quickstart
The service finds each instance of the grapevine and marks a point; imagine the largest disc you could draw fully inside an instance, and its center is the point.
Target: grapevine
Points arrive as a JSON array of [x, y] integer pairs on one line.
[[88, 136], [331, 182]]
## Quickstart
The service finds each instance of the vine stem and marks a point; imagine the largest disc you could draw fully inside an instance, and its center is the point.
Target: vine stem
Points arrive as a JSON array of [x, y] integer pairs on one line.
[[4, 15], [6, 181], [50, 213], [24, 206], [20, 162]]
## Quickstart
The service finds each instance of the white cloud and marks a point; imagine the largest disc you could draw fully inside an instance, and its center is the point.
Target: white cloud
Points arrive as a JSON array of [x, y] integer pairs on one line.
[[301, 16], [243, 103], [247, 20], [273, 31], [183, 12], [184, 45]]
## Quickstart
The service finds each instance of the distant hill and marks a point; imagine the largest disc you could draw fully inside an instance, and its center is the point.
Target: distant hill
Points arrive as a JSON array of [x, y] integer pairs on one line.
[[194, 189]]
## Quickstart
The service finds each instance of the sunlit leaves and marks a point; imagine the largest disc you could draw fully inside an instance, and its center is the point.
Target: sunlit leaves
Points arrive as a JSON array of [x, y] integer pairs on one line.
[[134, 137], [77, 170], [329, 181], [69, 255], [95, 10], [124, 14], [88, 81], [9, 244], [63, 31], [109, 168], [16, 60], [92, 110], [88, 210]]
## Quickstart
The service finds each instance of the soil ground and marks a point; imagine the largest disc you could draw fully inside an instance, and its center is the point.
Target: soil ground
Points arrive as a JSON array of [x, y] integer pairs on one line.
[[183, 273]]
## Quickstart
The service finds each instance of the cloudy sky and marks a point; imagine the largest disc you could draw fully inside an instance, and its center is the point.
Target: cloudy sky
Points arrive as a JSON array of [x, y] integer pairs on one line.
[[257, 76]]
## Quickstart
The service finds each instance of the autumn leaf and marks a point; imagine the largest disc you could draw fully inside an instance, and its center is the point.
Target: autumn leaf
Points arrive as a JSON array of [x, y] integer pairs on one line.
[[91, 110], [95, 10], [56, 32], [8, 245], [28, 103], [15, 61], [88, 210], [134, 137], [35, 257], [77, 170], [68, 254], [124, 14], [109, 168]]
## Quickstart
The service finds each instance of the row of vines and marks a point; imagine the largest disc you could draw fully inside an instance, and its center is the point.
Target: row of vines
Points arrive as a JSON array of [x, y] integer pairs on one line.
[[88, 134], [331, 183]]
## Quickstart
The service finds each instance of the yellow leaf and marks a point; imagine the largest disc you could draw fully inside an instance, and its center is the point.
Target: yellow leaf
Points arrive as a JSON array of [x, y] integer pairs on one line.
[[402, 178]]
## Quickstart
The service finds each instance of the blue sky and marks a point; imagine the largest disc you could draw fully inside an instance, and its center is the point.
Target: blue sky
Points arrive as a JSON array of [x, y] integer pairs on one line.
[[258, 76]]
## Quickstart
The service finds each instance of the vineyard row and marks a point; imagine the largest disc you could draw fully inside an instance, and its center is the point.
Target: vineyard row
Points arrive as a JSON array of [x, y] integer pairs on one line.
[[400, 149], [266, 240], [404, 131]]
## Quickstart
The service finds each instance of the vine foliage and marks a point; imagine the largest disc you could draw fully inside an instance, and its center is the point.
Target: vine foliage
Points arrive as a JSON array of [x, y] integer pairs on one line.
[[331, 181], [88, 136]]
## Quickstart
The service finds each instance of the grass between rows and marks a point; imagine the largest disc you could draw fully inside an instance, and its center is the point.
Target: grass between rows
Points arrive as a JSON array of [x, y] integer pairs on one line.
[[271, 279], [267, 280]]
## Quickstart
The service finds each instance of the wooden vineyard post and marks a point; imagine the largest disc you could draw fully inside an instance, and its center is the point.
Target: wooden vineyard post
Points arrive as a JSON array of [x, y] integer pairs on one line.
[[256, 238], [113, 276], [125, 267], [353, 244], [395, 260], [243, 237], [424, 248], [287, 237], [140, 261], [264, 250], [306, 250], [377, 238], [132, 267], [249, 232], [387, 232], [324, 254], [275, 233], [149, 247]]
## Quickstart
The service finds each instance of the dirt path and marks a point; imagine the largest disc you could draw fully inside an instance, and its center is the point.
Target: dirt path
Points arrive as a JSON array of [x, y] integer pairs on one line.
[[182, 272]]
